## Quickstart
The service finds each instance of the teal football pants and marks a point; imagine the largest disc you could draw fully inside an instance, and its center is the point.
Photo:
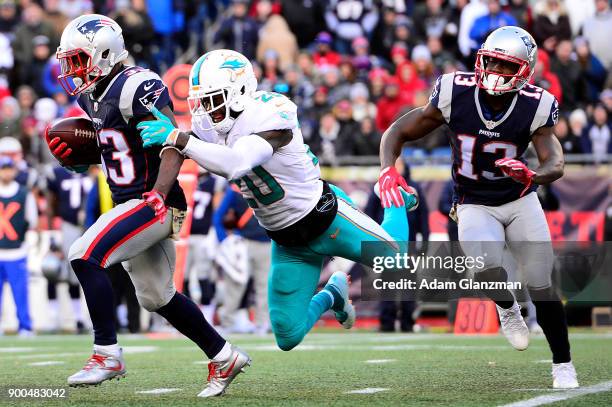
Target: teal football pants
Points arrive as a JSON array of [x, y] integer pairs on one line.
[[295, 271]]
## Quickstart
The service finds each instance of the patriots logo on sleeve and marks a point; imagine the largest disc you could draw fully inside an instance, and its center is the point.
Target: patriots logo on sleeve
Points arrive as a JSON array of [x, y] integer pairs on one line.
[[90, 28], [150, 98]]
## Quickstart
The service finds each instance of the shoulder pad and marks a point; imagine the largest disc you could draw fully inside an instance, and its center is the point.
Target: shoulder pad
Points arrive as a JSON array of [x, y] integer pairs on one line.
[[141, 90]]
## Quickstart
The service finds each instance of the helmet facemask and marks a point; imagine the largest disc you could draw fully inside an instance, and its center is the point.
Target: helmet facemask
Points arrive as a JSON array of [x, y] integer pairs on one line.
[[498, 83], [78, 73], [216, 106]]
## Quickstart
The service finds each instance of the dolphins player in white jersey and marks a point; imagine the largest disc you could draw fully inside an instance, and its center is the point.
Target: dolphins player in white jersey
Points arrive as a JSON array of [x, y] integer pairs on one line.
[[254, 139]]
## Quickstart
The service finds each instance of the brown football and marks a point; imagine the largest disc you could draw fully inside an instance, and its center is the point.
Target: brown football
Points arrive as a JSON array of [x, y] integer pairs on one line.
[[80, 136]]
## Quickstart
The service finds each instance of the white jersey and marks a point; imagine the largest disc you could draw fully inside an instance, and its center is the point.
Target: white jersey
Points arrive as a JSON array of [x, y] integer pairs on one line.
[[285, 188]]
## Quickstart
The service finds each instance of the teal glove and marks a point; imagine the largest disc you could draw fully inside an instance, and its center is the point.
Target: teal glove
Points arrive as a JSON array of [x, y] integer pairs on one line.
[[78, 168], [160, 132]]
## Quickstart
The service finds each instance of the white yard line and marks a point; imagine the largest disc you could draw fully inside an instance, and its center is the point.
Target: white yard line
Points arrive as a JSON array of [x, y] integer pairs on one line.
[[157, 391], [367, 390], [47, 363], [379, 361], [562, 395]]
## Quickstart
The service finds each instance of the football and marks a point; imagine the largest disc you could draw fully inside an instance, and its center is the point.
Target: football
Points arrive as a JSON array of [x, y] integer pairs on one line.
[[79, 134]]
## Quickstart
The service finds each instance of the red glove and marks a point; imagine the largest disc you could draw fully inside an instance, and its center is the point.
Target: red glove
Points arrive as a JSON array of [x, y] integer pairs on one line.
[[155, 200], [388, 182], [59, 149], [517, 170]]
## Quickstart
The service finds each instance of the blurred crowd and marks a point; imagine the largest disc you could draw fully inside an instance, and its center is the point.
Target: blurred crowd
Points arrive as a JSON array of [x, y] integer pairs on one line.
[[352, 66]]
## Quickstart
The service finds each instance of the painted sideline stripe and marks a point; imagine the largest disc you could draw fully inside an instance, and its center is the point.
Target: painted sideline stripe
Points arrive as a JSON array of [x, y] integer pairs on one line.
[[47, 363], [564, 395], [367, 390]]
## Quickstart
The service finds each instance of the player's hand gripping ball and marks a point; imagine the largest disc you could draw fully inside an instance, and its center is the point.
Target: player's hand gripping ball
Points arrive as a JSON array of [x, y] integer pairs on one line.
[[73, 142]]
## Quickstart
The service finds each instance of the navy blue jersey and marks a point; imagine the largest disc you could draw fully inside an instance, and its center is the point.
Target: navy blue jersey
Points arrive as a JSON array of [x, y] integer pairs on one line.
[[479, 140], [202, 205], [70, 190], [130, 169]]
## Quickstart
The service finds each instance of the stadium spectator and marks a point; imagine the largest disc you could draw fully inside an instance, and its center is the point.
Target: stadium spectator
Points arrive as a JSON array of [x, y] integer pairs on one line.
[[598, 31], [22, 216], [275, 35], [10, 115], [167, 21], [238, 31], [305, 18], [569, 141], [390, 104], [439, 56], [569, 73], [544, 78], [593, 72], [360, 100], [469, 14], [32, 25], [579, 11], [597, 137], [34, 73], [349, 130], [522, 13], [491, 21], [326, 138], [55, 16], [8, 17], [577, 121], [606, 99], [383, 36], [324, 55], [403, 32], [430, 19], [551, 24], [421, 59], [350, 19], [409, 78], [137, 30]]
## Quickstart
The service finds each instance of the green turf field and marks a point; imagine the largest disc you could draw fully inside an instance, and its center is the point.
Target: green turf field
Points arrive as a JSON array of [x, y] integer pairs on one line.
[[415, 370]]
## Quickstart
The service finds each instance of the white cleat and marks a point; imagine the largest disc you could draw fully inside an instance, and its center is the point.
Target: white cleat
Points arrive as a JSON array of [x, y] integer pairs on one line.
[[514, 326], [564, 376], [344, 311], [99, 367], [221, 374]]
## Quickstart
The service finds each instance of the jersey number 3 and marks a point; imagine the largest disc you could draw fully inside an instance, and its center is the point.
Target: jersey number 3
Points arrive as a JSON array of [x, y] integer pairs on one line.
[[467, 146], [124, 173]]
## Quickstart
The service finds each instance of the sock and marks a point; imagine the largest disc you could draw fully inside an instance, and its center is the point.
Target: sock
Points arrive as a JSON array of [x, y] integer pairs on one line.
[[224, 353], [551, 317], [113, 349], [503, 297], [187, 318], [98, 295], [320, 303]]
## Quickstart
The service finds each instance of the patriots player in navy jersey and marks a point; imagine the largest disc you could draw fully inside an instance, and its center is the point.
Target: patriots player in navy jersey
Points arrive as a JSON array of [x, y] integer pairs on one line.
[[494, 114], [149, 203], [66, 192]]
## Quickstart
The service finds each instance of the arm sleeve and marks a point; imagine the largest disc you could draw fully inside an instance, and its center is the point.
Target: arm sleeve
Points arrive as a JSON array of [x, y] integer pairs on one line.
[[229, 162]]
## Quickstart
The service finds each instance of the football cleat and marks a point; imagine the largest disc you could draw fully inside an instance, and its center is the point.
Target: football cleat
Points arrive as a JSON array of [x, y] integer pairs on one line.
[[514, 326], [411, 197], [100, 367], [338, 285], [221, 374], [564, 376]]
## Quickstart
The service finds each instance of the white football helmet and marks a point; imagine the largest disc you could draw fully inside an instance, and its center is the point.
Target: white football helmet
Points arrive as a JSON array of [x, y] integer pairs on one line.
[[91, 45], [219, 83], [510, 44]]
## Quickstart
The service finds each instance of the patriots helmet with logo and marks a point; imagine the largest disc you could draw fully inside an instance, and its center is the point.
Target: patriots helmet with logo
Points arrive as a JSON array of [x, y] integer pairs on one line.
[[219, 82], [513, 45], [90, 46]]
